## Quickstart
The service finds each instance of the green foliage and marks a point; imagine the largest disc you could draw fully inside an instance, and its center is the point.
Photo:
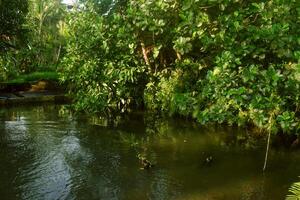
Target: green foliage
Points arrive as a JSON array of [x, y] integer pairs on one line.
[[101, 64], [31, 36], [7, 65], [234, 62], [12, 18], [12, 34], [294, 192], [105, 7], [46, 37]]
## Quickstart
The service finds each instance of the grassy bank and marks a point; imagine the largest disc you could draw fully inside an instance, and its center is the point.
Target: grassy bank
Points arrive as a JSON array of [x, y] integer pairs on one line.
[[33, 77]]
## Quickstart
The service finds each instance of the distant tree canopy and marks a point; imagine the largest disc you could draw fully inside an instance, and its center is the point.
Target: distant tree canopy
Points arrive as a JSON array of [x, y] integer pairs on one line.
[[12, 17], [106, 7], [31, 36]]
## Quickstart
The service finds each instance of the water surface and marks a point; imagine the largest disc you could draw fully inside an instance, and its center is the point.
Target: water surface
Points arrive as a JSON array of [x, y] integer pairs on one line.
[[48, 153]]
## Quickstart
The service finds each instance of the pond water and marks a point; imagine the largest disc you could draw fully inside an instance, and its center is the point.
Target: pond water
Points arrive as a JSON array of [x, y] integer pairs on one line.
[[48, 153]]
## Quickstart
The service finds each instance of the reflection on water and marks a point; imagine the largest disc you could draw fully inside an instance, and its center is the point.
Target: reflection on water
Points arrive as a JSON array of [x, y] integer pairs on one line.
[[48, 153]]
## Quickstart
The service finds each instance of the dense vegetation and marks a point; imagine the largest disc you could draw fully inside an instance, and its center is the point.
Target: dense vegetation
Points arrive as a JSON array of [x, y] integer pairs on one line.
[[224, 61], [233, 62], [31, 36]]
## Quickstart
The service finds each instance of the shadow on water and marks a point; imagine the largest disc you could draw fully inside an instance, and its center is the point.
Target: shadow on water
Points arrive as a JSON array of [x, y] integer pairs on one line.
[[49, 153]]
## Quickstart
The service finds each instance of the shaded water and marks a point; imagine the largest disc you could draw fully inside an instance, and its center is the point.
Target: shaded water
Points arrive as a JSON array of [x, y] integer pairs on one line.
[[48, 153]]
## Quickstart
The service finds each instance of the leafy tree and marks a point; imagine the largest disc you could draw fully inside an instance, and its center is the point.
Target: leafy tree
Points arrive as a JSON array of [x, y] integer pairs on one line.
[[12, 34], [12, 18], [102, 64], [46, 24], [39, 25], [234, 62]]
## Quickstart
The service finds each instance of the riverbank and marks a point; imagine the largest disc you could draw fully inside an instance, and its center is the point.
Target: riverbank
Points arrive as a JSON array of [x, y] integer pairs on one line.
[[31, 93]]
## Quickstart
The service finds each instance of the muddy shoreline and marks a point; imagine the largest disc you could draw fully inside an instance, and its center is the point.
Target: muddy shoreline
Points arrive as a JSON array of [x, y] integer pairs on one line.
[[31, 93]]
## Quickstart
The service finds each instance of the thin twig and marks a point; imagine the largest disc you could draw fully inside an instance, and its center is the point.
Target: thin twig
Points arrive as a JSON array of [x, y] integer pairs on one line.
[[267, 152]]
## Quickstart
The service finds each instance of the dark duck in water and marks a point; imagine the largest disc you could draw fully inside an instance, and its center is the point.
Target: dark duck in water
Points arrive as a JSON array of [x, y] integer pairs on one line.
[[207, 159], [146, 164]]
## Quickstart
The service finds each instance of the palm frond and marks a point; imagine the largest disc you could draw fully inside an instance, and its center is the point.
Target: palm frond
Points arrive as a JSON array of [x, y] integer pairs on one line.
[[294, 192]]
